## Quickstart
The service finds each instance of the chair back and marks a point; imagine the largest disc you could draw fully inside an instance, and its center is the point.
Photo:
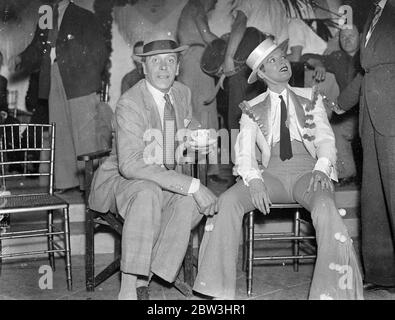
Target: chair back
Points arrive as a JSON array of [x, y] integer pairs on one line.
[[16, 141]]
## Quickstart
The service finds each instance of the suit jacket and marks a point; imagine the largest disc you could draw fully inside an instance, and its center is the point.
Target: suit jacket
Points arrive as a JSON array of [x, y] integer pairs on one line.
[[81, 54], [136, 117], [3, 94], [253, 141], [377, 84]]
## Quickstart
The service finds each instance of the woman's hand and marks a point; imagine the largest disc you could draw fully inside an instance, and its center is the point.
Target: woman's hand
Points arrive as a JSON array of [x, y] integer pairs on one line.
[[319, 177], [259, 195]]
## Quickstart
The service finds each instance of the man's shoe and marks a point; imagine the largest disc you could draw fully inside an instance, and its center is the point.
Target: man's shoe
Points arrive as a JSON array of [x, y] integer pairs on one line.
[[142, 293], [368, 286]]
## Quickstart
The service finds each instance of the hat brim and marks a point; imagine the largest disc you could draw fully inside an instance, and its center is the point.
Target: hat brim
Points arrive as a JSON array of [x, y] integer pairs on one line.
[[253, 76], [161, 51]]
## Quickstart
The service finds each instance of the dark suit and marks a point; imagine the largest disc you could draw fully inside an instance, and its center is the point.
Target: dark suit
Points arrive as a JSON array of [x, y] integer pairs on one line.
[[377, 129], [3, 94], [70, 84], [81, 54]]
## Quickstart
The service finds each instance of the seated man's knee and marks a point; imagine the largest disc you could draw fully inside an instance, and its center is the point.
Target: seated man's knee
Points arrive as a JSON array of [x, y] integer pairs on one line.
[[229, 200], [150, 191]]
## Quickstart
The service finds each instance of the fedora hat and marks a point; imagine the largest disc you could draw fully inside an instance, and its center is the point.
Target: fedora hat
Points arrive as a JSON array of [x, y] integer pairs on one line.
[[158, 42], [258, 55]]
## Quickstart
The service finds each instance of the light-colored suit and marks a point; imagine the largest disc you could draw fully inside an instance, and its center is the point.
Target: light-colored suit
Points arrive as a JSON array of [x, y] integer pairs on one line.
[[154, 201], [286, 181]]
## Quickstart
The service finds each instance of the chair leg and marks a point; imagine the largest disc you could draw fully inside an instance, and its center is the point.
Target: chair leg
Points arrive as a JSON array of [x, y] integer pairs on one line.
[[1, 252], [250, 257], [89, 251], [68, 248], [296, 242], [51, 255], [189, 276], [245, 245]]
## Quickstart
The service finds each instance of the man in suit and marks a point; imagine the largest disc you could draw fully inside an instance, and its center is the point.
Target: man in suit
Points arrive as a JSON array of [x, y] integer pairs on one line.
[[298, 157], [71, 57], [160, 205], [377, 130]]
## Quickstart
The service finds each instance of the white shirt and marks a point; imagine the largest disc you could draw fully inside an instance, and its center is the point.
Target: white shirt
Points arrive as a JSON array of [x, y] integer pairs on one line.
[[159, 98], [62, 6], [268, 16], [381, 4], [322, 163], [275, 113]]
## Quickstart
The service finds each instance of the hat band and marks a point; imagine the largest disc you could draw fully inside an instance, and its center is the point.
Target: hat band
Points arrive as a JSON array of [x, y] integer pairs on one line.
[[263, 55], [159, 45]]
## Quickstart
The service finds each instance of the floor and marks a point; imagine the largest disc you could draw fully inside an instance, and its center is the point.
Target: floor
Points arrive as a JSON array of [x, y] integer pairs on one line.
[[25, 279]]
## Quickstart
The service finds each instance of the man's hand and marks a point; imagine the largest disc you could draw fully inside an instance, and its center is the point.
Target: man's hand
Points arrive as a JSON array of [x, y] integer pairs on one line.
[[259, 195], [323, 179], [206, 200], [319, 73]]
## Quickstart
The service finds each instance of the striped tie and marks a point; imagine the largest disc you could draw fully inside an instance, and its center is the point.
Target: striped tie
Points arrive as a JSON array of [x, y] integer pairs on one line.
[[170, 128], [376, 17]]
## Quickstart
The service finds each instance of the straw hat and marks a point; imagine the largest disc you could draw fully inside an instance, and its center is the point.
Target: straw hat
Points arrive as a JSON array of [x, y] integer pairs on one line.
[[159, 42], [258, 55]]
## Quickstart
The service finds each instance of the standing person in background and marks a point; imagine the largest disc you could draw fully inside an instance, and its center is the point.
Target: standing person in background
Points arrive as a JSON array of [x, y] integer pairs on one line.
[[377, 130], [134, 76], [71, 57], [268, 16], [193, 30], [3, 93]]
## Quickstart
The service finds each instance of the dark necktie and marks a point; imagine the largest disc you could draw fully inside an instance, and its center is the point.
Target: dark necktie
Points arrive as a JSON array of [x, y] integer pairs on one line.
[[376, 17], [285, 138], [169, 131], [53, 33]]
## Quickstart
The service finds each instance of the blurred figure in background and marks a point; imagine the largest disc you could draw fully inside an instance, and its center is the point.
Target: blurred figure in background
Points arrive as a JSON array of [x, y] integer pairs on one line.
[[134, 76], [193, 30]]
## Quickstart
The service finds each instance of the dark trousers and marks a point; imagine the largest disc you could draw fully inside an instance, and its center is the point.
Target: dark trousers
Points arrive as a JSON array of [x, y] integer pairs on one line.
[[378, 204]]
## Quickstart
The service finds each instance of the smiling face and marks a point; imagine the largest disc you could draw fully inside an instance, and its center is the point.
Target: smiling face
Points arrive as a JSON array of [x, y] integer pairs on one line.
[[275, 67], [160, 70]]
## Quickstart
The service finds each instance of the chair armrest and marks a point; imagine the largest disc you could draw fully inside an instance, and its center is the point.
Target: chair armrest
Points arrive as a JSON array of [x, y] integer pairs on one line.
[[94, 155]]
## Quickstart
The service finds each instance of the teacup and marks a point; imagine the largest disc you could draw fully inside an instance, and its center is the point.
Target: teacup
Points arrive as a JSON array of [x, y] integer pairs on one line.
[[201, 136]]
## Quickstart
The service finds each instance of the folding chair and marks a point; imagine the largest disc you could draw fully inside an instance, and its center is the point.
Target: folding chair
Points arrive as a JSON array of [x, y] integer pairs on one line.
[[28, 200], [250, 237]]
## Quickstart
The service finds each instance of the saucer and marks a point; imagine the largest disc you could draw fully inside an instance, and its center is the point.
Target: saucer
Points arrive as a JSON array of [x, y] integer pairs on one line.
[[196, 144]]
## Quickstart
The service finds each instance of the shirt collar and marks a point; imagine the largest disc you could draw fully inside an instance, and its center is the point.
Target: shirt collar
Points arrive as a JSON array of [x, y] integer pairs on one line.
[[381, 3], [63, 4], [156, 93], [277, 95]]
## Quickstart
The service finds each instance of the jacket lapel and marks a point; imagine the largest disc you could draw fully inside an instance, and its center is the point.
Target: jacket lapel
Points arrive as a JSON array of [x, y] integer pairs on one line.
[[178, 105], [298, 103], [261, 114], [152, 108]]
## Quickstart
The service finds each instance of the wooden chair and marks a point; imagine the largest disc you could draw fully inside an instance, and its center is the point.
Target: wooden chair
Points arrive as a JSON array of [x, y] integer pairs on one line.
[[250, 237], [27, 200], [114, 222]]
